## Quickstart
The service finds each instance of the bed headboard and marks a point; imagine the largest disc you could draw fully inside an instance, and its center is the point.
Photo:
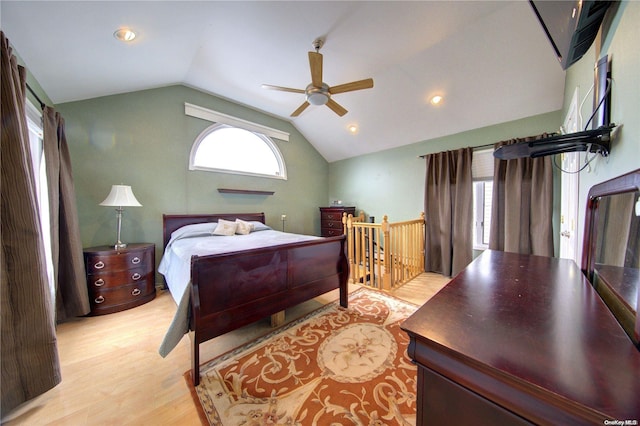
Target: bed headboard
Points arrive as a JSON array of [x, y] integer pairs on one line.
[[171, 222]]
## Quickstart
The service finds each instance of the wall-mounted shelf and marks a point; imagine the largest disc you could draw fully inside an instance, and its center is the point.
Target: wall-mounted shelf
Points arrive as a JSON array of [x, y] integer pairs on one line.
[[244, 191]]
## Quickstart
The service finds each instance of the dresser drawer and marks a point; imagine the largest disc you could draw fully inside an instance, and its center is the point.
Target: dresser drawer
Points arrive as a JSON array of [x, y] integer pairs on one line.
[[331, 232], [332, 224], [331, 216], [331, 220]]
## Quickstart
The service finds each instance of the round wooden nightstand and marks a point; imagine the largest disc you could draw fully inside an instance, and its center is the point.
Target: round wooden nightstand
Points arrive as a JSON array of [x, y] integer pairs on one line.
[[120, 279]]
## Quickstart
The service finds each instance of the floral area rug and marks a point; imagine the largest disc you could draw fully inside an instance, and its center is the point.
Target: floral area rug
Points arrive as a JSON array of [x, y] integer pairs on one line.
[[335, 366]]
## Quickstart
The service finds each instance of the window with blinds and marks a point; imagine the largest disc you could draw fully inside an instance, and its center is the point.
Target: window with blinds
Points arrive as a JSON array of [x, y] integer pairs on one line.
[[482, 173]]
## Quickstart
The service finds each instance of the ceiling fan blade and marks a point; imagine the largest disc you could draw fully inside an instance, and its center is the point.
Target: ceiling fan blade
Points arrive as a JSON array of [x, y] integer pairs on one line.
[[282, 89], [354, 85], [300, 109], [335, 107], [315, 63]]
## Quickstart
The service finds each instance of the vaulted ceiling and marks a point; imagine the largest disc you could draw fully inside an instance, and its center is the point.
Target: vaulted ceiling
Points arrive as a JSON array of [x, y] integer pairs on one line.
[[489, 60]]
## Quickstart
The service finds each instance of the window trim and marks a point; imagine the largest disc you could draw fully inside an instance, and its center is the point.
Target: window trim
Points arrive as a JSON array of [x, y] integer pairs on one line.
[[479, 225], [218, 117], [209, 130], [482, 173]]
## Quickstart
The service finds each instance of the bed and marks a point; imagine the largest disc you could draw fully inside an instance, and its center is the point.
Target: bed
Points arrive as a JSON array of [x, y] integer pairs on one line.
[[236, 286]]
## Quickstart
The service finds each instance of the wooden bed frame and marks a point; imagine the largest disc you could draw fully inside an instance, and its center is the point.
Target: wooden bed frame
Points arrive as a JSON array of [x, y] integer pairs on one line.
[[231, 290]]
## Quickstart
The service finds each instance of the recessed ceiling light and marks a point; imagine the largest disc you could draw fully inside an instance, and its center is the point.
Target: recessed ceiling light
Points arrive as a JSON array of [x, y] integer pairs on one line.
[[436, 100], [353, 129], [124, 34]]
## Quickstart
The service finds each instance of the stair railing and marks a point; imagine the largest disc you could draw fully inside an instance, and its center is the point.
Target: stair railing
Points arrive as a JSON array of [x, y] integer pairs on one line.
[[384, 255]]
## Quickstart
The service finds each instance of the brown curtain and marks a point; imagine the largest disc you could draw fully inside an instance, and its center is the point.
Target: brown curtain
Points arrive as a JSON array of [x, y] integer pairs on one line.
[[66, 246], [449, 211], [29, 353], [522, 206]]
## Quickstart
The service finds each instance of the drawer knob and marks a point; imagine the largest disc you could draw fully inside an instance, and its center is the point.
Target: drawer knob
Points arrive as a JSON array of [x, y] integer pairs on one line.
[[135, 260], [136, 292], [99, 282], [99, 265], [99, 299], [136, 276]]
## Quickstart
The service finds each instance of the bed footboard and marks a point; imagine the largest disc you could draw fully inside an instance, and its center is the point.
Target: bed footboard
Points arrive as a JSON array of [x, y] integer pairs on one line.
[[235, 289]]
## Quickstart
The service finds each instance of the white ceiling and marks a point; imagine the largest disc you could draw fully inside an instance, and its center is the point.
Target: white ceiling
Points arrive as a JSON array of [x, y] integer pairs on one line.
[[490, 60]]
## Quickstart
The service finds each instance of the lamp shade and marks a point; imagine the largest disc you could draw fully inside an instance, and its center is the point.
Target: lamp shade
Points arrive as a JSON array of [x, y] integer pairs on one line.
[[121, 195]]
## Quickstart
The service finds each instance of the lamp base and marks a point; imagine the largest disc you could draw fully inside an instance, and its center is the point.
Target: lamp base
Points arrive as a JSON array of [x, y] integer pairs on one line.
[[119, 245]]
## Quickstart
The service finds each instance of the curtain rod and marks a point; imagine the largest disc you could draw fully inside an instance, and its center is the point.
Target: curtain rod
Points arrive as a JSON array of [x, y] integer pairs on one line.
[[42, 104], [488, 145]]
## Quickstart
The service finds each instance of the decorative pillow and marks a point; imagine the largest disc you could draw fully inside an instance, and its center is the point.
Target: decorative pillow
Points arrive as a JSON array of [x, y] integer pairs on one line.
[[244, 228], [225, 227]]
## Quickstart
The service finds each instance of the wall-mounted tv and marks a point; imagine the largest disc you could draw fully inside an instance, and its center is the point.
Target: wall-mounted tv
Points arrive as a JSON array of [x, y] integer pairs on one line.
[[596, 140], [571, 26]]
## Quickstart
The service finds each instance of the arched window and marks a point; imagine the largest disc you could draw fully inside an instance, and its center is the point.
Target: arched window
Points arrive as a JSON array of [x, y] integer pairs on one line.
[[228, 149]]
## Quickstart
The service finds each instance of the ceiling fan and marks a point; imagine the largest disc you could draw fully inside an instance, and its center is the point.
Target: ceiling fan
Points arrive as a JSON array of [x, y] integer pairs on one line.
[[318, 92]]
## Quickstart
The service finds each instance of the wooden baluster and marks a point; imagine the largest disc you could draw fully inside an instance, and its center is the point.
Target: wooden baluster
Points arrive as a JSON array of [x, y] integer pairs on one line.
[[388, 265]]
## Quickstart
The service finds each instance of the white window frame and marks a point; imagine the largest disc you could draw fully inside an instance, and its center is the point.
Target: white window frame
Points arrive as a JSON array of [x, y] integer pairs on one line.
[[281, 174], [482, 173], [480, 225], [38, 166]]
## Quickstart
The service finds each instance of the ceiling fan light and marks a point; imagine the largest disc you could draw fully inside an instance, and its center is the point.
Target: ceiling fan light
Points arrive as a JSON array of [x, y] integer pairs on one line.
[[317, 98]]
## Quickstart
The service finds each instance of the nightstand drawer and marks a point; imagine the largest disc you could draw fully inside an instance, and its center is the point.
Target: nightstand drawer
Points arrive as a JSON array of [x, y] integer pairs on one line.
[[120, 298], [118, 278], [117, 261]]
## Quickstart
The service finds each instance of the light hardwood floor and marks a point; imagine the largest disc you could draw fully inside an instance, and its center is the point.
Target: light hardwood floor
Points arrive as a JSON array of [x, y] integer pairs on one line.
[[112, 373]]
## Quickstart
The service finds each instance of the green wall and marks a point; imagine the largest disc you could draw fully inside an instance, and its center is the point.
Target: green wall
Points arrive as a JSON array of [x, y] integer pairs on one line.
[[143, 139], [619, 39], [391, 182]]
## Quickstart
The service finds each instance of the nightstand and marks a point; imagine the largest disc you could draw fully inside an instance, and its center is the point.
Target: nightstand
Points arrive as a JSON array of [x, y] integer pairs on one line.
[[331, 220], [120, 279]]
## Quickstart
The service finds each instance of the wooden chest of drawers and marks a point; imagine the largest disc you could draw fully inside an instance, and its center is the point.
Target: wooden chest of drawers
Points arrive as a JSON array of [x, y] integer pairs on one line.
[[120, 279], [331, 220]]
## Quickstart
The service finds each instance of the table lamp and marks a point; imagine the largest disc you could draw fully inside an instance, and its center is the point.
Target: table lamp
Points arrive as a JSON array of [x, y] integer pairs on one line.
[[120, 196]]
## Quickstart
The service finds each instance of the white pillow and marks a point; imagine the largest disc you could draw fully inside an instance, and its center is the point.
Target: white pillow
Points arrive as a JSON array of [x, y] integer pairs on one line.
[[259, 226], [194, 230], [244, 228], [225, 227]]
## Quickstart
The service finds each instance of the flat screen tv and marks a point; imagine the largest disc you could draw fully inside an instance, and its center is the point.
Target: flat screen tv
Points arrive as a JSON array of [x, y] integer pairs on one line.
[[571, 26]]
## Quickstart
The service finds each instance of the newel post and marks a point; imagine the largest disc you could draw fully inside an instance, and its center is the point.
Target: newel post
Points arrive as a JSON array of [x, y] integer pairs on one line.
[[347, 224]]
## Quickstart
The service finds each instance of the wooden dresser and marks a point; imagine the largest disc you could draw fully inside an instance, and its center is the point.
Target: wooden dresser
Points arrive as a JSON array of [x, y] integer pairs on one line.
[[517, 339], [120, 279], [331, 220]]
